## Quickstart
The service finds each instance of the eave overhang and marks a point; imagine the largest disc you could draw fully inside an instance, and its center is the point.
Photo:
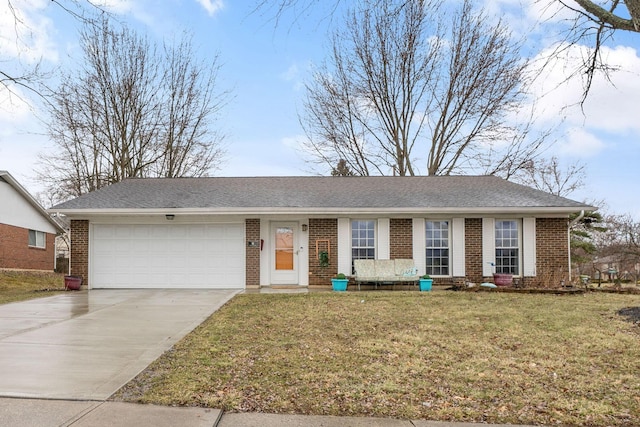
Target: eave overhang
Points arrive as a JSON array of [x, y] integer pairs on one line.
[[323, 212]]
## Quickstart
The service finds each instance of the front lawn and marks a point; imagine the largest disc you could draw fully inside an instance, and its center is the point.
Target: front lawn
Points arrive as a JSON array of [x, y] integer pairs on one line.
[[24, 285], [483, 357]]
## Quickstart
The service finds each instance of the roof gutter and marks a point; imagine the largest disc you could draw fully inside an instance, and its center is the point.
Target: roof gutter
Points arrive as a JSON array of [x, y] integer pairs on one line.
[[314, 211]]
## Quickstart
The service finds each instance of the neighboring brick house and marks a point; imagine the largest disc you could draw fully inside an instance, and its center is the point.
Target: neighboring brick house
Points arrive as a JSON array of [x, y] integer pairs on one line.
[[264, 231], [27, 231]]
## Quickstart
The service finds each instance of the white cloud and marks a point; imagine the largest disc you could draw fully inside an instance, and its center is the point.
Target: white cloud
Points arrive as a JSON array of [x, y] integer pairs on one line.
[[581, 144], [296, 141], [610, 106], [116, 6], [13, 107], [211, 6], [294, 75], [25, 32]]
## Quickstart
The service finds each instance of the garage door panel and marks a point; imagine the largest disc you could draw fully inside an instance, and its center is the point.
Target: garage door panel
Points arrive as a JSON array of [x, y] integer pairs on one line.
[[171, 255]]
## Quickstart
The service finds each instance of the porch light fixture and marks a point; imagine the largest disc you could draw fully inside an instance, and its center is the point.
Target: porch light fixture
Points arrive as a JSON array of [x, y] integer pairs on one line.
[[169, 217], [304, 227]]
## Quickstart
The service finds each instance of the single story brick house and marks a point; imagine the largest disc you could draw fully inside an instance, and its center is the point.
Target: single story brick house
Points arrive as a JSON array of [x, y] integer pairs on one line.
[[27, 231], [261, 231]]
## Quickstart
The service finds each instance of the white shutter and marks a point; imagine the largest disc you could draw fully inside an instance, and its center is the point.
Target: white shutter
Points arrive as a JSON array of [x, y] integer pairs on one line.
[[457, 248], [488, 246], [419, 245], [344, 245], [383, 244], [529, 247]]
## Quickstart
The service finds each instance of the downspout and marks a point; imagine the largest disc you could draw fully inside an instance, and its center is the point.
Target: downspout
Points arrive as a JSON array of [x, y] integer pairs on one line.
[[571, 224]]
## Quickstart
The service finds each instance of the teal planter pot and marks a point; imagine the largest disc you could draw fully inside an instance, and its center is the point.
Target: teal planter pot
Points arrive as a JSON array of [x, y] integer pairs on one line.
[[425, 285], [339, 285]]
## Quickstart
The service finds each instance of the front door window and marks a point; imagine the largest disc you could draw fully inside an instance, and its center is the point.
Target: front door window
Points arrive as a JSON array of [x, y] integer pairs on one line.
[[284, 248], [284, 253]]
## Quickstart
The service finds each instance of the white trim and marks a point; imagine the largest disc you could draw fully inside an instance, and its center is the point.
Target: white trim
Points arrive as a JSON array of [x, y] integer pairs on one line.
[[540, 212], [488, 246], [457, 257], [529, 247], [383, 244], [303, 261], [26, 196], [265, 253], [344, 245], [419, 245]]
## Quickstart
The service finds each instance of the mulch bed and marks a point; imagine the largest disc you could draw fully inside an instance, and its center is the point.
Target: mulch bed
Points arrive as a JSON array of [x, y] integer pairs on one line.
[[556, 291], [631, 314]]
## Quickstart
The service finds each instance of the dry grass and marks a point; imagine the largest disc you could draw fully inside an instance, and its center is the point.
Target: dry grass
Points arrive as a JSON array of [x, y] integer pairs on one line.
[[483, 357], [24, 285]]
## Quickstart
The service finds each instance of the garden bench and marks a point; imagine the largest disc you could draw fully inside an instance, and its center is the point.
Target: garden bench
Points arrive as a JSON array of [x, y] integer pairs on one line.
[[383, 271]]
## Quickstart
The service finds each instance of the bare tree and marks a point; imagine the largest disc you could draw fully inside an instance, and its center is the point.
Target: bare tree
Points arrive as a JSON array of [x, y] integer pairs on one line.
[[16, 74], [132, 110], [548, 175], [621, 243], [615, 14], [402, 82], [592, 23]]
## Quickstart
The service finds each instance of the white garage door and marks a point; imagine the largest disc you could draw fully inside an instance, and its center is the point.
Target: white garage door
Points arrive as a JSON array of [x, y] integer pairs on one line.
[[167, 256]]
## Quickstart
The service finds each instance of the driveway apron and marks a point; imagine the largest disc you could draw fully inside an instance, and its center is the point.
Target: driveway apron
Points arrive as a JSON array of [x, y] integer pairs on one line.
[[86, 345]]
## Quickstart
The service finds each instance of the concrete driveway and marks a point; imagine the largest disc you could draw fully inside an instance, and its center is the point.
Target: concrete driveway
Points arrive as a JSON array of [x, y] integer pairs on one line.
[[86, 345]]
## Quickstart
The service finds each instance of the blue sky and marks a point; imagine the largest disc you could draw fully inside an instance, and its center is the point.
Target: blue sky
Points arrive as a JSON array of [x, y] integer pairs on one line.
[[265, 68]]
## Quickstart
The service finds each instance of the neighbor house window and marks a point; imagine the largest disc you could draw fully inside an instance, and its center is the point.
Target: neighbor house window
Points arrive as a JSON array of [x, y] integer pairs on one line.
[[437, 245], [507, 247], [363, 239], [37, 239]]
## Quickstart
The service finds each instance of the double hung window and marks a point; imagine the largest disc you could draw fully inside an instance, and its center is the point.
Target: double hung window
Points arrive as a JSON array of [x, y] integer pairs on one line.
[[37, 239], [507, 247], [437, 247], [363, 239]]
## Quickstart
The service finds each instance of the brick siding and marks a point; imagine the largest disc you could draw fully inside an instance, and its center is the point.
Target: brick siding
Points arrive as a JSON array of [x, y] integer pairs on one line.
[[252, 256], [552, 251], [79, 236], [15, 251], [401, 238], [473, 249], [323, 229]]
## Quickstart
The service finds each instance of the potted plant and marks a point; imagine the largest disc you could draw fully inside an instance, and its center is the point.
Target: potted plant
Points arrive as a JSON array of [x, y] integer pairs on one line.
[[502, 279], [425, 283], [339, 282], [72, 283]]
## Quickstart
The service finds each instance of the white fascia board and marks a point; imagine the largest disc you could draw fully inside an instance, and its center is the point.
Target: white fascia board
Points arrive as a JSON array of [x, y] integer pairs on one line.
[[314, 212], [7, 177]]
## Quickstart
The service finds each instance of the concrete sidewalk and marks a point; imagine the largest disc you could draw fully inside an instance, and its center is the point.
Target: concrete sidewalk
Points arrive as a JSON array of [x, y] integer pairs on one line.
[[58, 413]]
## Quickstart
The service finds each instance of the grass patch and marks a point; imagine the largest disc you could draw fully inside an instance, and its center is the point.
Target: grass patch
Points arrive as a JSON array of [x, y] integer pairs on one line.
[[475, 357], [24, 285]]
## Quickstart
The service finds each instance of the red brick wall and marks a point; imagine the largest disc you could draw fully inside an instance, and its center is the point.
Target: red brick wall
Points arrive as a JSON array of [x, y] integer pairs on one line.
[[473, 249], [79, 258], [401, 238], [323, 229], [16, 253], [252, 257], [552, 251]]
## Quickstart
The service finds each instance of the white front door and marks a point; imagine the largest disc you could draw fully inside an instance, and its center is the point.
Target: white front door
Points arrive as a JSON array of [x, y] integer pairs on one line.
[[284, 251]]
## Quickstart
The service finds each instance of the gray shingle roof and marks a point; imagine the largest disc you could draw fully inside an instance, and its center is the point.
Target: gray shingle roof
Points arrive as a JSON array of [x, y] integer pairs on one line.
[[317, 193]]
